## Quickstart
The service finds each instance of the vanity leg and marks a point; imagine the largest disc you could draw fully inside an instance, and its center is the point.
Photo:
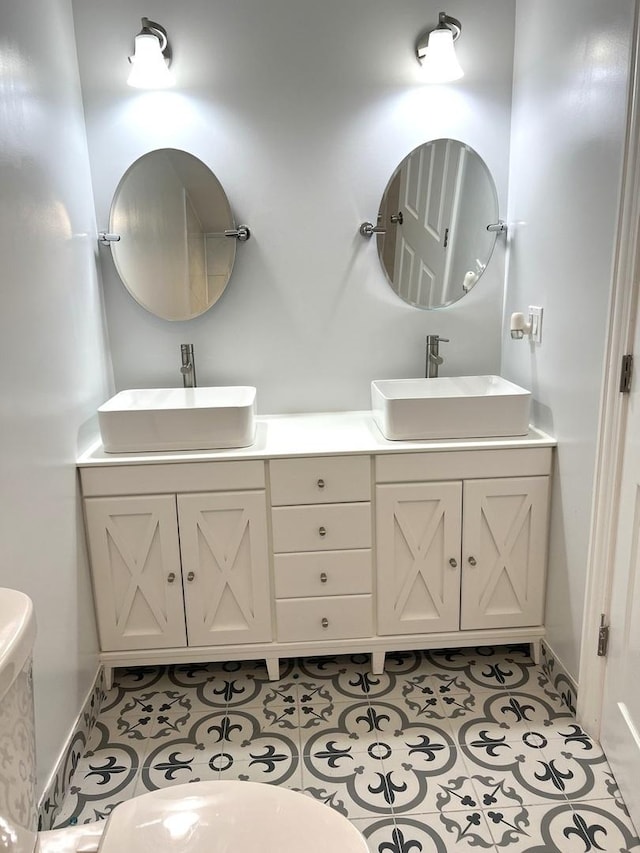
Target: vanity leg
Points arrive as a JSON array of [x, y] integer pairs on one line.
[[273, 668], [108, 677], [536, 651], [377, 662]]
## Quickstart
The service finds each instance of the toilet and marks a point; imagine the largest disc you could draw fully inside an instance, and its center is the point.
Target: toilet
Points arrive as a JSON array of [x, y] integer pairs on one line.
[[198, 817]]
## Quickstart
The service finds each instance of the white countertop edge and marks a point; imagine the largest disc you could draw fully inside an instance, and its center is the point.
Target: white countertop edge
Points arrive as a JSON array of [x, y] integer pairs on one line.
[[313, 434]]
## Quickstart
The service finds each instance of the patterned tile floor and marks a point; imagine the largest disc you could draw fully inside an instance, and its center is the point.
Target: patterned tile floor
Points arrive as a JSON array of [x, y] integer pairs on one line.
[[447, 751]]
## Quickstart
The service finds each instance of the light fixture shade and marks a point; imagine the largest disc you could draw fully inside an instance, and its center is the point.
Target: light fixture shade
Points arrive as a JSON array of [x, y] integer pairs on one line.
[[440, 62], [149, 69]]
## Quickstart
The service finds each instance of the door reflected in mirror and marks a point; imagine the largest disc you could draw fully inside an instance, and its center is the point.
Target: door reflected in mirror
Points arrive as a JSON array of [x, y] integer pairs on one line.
[[435, 211], [170, 212]]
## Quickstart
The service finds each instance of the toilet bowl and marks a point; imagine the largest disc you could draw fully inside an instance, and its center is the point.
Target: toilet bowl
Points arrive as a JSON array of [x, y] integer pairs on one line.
[[198, 817]]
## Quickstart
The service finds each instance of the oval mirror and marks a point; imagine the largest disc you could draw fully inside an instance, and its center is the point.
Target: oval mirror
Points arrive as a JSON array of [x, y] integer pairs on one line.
[[435, 212], [170, 212]]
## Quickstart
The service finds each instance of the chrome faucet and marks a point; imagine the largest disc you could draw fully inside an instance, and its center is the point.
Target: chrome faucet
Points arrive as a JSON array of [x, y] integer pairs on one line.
[[188, 368], [434, 359]]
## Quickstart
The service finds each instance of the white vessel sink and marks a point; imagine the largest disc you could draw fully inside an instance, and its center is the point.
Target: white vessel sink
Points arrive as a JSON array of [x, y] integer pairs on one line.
[[178, 419], [449, 407]]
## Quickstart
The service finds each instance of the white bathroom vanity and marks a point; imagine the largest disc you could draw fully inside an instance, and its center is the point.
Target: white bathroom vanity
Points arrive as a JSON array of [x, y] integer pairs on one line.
[[323, 537]]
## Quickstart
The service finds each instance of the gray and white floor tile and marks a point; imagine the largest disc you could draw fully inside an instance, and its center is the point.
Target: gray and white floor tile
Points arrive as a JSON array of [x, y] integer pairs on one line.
[[446, 751]]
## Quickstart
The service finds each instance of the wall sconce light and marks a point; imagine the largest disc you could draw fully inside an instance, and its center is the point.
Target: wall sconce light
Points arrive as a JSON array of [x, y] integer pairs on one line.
[[151, 58], [436, 53]]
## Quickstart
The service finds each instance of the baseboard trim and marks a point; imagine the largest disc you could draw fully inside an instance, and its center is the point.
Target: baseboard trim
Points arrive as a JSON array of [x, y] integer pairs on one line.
[[556, 672], [61, 776]]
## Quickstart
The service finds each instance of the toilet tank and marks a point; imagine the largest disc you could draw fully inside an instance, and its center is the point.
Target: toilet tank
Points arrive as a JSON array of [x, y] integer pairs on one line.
[[18, 815]]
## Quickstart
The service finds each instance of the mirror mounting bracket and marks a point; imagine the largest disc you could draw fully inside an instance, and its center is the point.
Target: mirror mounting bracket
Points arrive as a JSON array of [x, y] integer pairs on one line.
[[368, 229], [241, 233], [105, 238]]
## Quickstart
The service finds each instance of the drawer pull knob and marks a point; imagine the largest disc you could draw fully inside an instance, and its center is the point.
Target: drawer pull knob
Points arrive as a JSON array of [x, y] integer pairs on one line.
[[323, 577], [453, 563], [472, 561], [321, 483], [171, 577], [322, 531], [191, 576], [325, 622]]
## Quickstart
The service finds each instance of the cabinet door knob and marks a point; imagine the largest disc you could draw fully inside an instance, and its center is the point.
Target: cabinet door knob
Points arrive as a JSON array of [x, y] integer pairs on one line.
[[325, 622], [453, 563], [472, 561], [323, 577], [171, 577], [321, 483], [322, 531], [191, 576]]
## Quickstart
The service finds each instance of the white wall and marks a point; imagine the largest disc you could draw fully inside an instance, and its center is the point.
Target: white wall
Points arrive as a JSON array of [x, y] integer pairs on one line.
[[53, 369], [569, 106], [303, 110]]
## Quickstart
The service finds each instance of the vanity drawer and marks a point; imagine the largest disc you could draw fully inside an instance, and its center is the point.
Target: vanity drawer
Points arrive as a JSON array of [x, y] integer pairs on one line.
[[320, 479], [463, 465], [321, 527], [157, 479], [322, 573], [335, 618]]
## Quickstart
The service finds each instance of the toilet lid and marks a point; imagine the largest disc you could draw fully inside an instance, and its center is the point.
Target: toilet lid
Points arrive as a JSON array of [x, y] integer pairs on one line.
[[228, 817]]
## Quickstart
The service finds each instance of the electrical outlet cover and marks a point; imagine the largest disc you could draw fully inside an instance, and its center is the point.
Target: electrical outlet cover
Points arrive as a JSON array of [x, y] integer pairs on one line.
[[535, 312]]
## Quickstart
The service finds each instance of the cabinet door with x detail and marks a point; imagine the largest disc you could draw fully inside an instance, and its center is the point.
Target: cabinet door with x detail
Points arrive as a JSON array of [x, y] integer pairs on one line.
[[223, 541], [504, 552], [418, 557], [135, 565]]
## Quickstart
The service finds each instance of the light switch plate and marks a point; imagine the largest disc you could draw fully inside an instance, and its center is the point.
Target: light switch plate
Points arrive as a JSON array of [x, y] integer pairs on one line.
[[535, 313]]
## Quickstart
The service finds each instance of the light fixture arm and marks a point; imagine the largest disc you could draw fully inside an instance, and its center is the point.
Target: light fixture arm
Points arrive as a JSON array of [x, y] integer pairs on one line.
[[446, 22]]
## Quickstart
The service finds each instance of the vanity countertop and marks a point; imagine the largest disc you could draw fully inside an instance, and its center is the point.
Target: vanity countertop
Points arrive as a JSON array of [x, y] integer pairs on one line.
[[314, 434]]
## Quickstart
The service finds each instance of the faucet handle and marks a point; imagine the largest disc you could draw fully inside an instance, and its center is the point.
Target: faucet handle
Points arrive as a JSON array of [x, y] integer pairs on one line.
[[188, 366], [434, 359]]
